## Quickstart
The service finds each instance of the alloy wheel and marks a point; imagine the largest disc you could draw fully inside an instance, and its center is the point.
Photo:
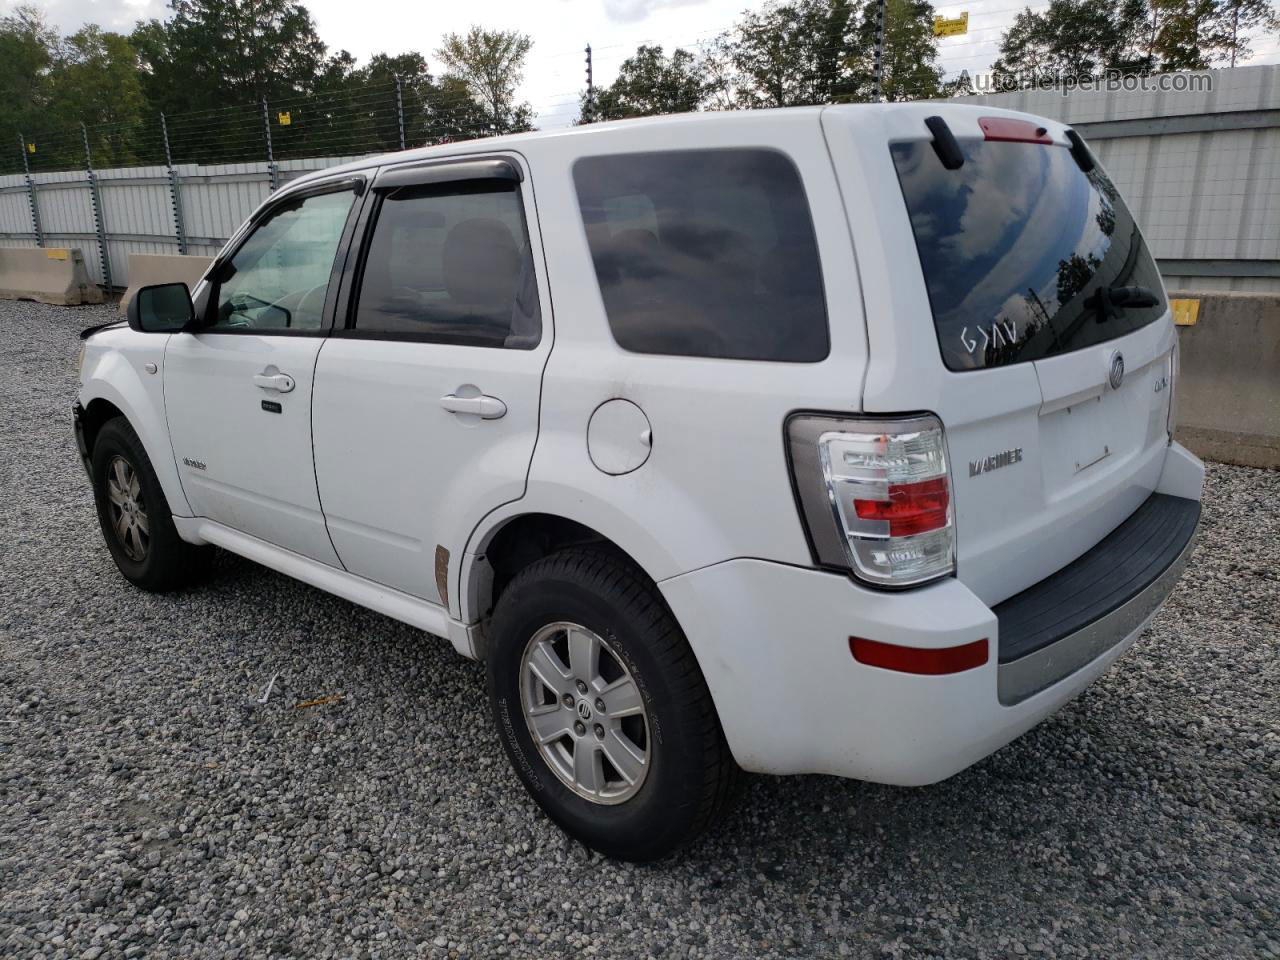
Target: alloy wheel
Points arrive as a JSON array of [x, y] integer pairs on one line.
[[128, 510], [585, 713]]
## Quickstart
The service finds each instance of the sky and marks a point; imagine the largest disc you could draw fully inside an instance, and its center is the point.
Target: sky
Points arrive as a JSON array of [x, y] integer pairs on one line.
[[560, 30]]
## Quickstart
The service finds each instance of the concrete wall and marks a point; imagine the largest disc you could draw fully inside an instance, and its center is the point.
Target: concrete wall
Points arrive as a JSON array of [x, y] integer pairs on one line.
[[1199, 169], [55, 275], [1228, 393], [146, 269]]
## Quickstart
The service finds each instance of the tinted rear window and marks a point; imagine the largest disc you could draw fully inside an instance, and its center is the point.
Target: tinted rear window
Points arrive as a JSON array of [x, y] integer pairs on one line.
[[705, 253], [1015, 245]]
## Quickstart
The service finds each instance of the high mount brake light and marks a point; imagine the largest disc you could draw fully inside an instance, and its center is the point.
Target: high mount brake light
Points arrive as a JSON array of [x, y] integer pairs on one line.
[[875, 496], [1011, 130]]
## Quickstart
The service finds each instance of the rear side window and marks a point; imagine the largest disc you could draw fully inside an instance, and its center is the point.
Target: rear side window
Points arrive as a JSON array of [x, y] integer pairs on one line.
[[451, 263], [1025, 255], [705, 253]]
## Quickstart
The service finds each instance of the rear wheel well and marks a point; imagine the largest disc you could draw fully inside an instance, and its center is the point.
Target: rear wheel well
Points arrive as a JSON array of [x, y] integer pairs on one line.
[[95, 418], [527, 539]]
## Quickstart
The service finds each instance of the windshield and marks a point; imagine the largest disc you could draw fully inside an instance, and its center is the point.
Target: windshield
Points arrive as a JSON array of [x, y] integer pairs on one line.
[[1024, 255]]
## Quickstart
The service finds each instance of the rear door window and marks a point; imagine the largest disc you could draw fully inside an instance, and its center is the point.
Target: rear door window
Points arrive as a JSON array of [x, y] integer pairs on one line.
[[705, 253], [451, 263], [1020, 249]]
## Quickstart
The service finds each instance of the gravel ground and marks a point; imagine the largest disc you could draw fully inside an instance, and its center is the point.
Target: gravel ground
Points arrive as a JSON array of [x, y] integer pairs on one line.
[[148, 805]]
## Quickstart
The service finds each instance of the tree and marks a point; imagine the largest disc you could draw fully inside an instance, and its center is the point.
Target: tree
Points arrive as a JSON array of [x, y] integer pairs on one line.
[[26, 52], [491, 64], [1238, 18], [911, 68], [1197, 34], [648, 84], [1072, 38], [94, 80], [221, 52], [794, 53]]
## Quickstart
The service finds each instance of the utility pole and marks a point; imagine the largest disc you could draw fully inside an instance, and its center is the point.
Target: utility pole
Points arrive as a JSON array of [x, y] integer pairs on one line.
[[271, 159], [589, 111], [877, 87], [400, 110], [31, 191], [99, 224], [175, 195]]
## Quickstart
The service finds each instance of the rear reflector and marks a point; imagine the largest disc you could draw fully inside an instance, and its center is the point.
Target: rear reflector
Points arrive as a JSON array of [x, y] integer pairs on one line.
[[1013, 131], [890, 656]]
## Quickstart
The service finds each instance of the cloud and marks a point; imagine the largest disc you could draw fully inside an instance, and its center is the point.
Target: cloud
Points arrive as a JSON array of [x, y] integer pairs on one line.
[[633, 11], [68, 16]]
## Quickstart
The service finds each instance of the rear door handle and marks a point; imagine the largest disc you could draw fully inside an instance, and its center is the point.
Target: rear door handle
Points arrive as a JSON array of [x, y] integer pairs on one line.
[[485, 407], [279, 382]]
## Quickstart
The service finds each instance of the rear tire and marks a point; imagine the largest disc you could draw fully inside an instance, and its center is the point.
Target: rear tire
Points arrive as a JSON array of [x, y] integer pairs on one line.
[[643, 703], [135, 517]]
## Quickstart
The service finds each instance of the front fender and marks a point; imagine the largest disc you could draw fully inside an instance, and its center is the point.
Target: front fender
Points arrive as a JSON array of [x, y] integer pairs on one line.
[[122, 381]]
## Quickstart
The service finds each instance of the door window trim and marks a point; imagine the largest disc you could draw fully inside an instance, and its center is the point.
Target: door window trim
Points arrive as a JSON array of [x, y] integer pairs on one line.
[[501, 168], [358, 185]]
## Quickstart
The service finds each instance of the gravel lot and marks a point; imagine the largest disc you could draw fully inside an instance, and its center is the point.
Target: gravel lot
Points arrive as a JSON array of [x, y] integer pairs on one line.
[[149, 806]]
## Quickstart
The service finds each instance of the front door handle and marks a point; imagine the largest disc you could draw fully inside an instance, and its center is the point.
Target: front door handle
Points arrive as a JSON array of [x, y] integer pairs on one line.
[[485, 407], [279, 382]]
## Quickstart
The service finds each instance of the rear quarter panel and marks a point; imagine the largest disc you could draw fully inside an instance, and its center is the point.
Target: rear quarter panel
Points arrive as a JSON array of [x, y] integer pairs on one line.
[[716, 484]]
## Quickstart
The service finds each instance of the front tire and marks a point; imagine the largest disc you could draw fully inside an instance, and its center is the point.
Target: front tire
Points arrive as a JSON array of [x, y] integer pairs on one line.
[[134, 514], [603, 710]]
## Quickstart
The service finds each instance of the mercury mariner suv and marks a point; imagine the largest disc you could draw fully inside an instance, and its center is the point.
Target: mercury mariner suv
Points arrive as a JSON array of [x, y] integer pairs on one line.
[[825, 440]]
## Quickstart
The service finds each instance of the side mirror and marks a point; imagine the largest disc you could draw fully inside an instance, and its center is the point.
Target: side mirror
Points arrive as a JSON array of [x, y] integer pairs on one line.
[[162, 308]]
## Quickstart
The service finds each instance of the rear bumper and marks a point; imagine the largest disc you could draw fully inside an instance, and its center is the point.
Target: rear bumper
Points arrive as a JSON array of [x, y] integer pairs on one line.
[[773, 643]]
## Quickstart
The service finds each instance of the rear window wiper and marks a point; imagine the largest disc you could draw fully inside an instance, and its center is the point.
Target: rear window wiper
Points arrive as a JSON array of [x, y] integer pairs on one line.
[[1107, 302]]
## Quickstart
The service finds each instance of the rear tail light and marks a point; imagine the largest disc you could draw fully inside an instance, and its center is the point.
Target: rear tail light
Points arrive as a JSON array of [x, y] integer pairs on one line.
[[875, 496], [1175, 363]]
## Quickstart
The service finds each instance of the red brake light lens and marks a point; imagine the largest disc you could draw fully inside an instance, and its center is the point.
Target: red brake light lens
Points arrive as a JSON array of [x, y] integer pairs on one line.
[[911, 507], [1013, 131]]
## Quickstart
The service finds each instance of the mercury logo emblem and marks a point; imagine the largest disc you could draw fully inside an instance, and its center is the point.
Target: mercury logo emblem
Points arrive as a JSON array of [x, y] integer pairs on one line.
[[584, 710], [1116, 374]]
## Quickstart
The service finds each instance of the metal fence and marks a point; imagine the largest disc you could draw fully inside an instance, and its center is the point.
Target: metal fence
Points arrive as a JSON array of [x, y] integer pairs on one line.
[[187, 208], [1201, 171]]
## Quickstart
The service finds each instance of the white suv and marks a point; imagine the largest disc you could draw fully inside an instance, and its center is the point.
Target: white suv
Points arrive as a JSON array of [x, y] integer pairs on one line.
[[825, 440]]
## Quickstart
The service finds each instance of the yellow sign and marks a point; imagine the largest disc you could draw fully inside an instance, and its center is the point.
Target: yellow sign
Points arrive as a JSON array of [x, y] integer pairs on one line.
[[1185, 312], [56, 254], [285, 118], [951, 26], [31, 148]]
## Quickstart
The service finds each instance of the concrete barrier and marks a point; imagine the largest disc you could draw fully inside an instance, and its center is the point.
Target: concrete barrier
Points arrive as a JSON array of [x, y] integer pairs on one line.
[[47, 274], [146, 269], [1228, 394]]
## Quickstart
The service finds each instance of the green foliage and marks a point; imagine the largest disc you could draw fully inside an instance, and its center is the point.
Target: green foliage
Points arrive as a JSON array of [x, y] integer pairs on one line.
[[216, 52], [27, 47], [649, 83], [1090, 37], [911, 67], [795, 53], [491, 64]]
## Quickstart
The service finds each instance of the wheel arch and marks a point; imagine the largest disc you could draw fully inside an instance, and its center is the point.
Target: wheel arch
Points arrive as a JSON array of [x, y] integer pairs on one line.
[[113, 389], [508, 545]]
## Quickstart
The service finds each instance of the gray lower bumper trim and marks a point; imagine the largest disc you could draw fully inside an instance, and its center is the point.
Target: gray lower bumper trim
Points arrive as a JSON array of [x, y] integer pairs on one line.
[[1029, 675]]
